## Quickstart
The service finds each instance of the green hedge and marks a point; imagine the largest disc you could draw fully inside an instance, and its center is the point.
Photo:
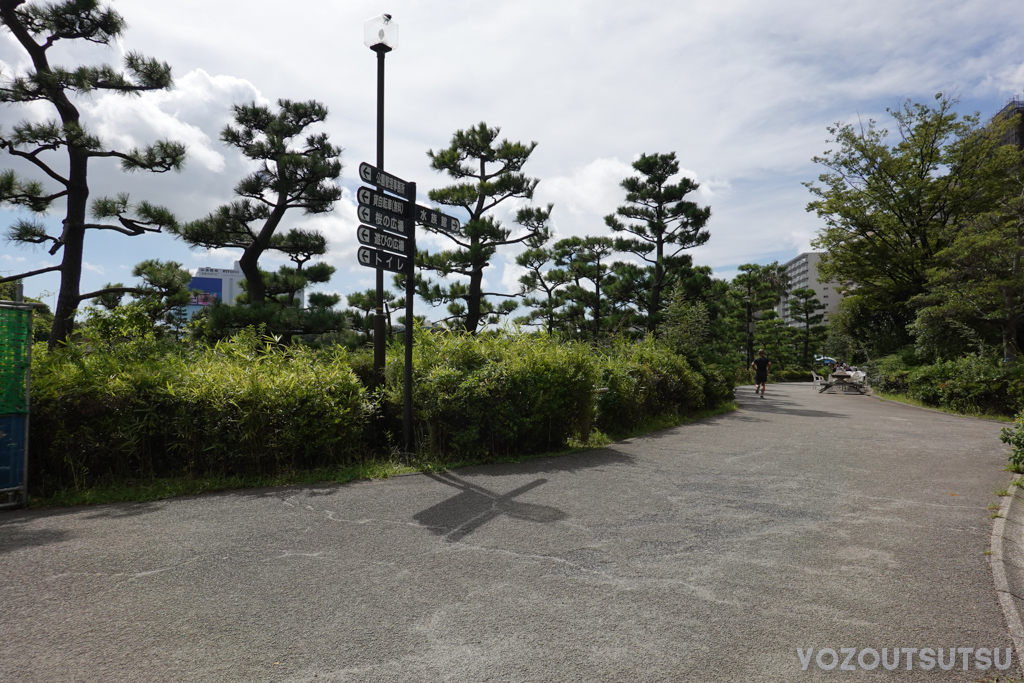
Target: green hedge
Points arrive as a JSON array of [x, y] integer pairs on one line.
[[236, 409], [645, 379], [248, 406], [499, 394], [492, 394], [971, 384]]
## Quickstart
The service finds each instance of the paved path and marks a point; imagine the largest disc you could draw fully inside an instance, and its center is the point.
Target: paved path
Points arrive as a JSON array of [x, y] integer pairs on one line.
[[705, 553]]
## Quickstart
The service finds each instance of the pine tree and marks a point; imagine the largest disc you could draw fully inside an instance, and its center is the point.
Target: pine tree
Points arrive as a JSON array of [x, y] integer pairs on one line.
[[663, 224], [62, 148], [487, 173], [547, 281], [290, 175], [805, 308], [583, 259]]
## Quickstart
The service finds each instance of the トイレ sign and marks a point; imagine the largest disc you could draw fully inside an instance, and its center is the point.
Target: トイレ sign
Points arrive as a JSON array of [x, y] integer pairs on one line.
[[375, 258]]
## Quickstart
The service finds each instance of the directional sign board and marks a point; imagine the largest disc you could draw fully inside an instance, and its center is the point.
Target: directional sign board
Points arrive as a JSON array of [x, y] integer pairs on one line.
[[436, 219], [385, 181], [383, 219], [379, 200], [384, 240], [374, 258]]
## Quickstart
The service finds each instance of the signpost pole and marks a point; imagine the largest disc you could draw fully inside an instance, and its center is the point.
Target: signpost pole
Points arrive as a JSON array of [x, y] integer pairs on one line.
[[379, 346], [410, 293]]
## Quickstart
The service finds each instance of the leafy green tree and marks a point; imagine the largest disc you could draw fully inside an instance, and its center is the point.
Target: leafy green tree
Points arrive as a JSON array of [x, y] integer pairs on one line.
[[9, 289], [686, 327], [487, 172], [699, 285], [164, 289], [62, 148], [363, 304], [663, 224], [583, 260], [808, 312], [892, 203], [978, 280], [547, 282], [628, 291]]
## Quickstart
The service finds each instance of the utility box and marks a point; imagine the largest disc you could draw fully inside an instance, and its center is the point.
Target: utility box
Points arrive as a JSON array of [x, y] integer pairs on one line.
[[15, 359]]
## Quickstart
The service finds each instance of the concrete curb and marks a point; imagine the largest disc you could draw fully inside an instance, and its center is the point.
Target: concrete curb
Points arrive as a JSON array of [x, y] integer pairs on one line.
[[1009, 589]]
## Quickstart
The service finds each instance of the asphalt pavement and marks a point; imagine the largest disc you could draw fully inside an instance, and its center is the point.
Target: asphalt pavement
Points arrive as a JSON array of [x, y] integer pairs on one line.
[[746, 547]]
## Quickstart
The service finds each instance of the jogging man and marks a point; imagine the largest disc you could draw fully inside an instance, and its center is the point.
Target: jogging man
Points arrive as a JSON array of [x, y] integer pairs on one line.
[[761, 366]]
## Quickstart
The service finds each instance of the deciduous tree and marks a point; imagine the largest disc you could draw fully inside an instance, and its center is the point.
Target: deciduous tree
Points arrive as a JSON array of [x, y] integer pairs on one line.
[[892, 202]]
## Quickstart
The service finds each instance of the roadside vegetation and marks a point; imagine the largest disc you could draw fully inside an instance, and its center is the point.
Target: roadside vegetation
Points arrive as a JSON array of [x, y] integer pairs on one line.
[[131, 415], [923, 230]]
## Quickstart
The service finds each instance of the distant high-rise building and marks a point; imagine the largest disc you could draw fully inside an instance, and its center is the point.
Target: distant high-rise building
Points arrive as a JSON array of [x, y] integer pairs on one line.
[[803, 272], [214, 284], [1015, 136]]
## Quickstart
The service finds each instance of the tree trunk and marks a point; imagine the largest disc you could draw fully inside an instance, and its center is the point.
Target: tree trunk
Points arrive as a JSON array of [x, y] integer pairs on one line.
[[73, 246], [659, 274], [473, 300]]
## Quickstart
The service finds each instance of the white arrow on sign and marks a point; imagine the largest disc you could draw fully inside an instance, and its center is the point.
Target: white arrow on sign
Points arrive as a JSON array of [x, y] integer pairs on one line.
[[365, 256]]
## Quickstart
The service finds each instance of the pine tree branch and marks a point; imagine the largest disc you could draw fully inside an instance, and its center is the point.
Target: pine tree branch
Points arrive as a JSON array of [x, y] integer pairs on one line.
[[41, 165], [128, 227], [114, 290], [30, 274]]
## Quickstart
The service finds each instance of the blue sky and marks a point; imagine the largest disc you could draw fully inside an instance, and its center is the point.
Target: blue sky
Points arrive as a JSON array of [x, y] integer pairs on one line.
[[742, 92]]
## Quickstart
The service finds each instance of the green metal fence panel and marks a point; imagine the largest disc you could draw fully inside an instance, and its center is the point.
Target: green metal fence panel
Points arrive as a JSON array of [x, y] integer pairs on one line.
[[15, 359], [15, 328]]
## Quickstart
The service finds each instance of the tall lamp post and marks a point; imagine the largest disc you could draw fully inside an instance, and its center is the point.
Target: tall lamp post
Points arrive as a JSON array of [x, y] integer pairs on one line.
[[380, 34]]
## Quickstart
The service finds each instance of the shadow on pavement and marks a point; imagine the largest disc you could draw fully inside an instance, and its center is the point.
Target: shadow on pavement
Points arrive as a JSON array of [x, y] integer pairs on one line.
[[14, 537], [781, 405], [474, 506]]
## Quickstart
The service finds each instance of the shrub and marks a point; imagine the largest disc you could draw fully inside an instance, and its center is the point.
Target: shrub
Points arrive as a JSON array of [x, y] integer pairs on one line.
[[241, 408], [970, 384], [791, 376], [492, 394], [1014, 436], [645, 379]]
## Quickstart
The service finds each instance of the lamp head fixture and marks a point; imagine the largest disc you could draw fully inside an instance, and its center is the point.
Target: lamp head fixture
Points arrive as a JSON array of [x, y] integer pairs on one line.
[[380, 33]]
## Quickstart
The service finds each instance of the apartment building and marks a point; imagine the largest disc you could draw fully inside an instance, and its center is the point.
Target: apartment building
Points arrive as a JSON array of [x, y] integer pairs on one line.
[[803, 272]]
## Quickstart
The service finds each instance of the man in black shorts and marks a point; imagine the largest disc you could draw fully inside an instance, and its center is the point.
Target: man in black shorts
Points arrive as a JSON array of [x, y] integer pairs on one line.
[[761, 365]]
